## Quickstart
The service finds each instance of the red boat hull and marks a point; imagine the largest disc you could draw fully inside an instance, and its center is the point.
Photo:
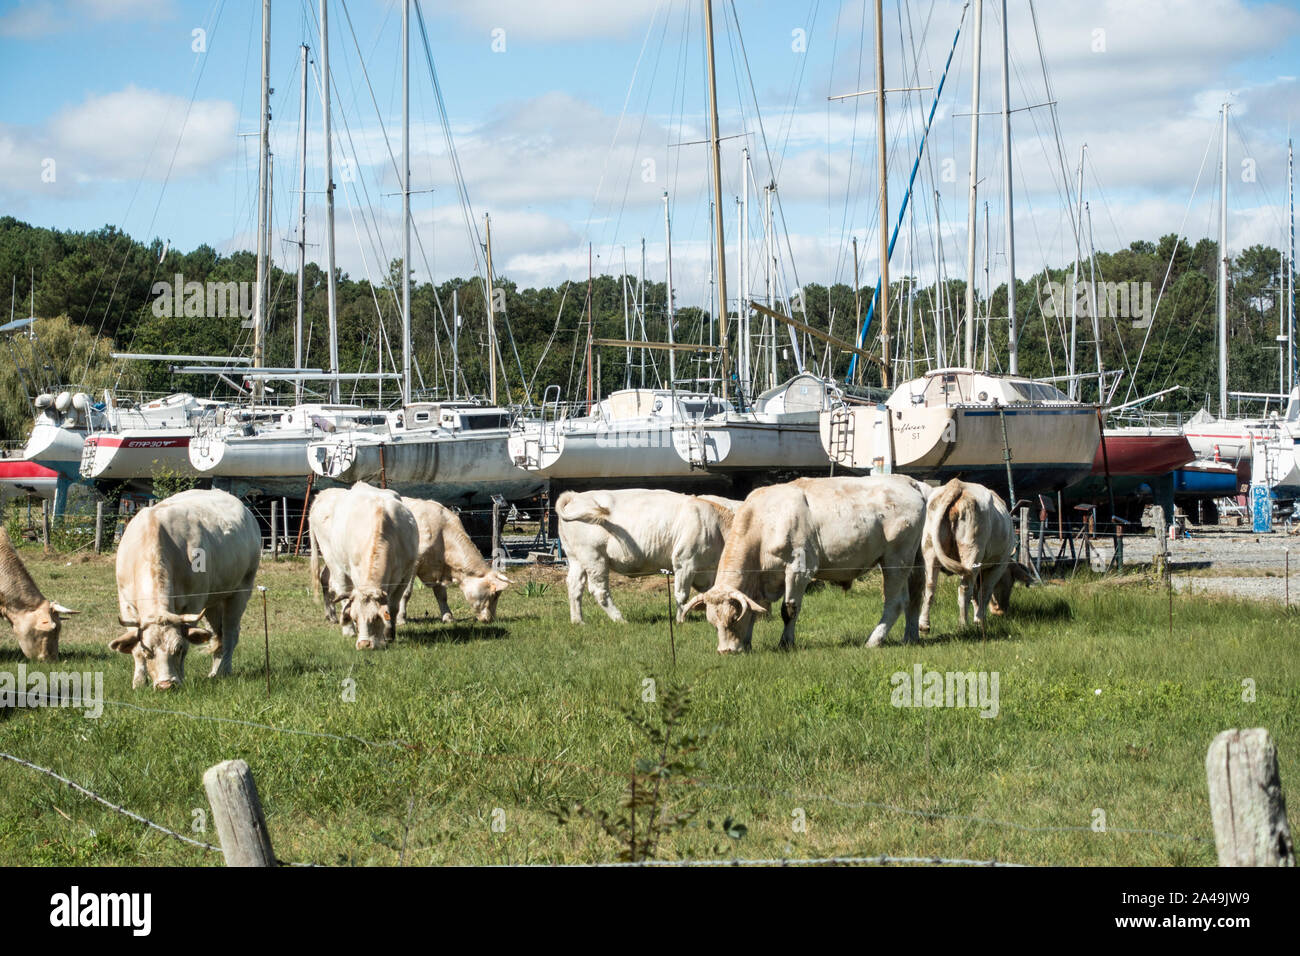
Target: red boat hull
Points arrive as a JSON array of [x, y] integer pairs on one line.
[[1141, 452]]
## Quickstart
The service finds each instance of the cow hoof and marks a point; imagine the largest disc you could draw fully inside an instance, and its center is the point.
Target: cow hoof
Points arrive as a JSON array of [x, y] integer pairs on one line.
[[924, 627], [447, 618]]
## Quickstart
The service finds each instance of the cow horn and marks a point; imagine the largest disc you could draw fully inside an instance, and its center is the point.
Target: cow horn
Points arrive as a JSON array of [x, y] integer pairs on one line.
[[125, 623], [694, 603], [186, 619], [63, 610]]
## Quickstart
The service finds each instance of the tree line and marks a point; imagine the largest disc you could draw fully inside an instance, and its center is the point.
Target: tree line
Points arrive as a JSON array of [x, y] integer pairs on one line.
[[96, 291]]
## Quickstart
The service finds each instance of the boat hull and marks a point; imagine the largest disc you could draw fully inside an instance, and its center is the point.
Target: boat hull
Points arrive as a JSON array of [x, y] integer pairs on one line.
[[453, 469], [1050, 447], [137, 455]]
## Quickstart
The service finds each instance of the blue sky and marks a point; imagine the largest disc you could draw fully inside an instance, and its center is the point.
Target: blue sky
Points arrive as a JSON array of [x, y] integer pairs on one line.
[[565, 135]]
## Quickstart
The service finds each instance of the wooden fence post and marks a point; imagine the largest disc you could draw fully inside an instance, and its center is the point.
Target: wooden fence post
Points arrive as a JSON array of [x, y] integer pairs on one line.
[[99, 527], [1246, 801], [1024, 538], [45, 525], [1160, 564], [275, 507], [237, 813]]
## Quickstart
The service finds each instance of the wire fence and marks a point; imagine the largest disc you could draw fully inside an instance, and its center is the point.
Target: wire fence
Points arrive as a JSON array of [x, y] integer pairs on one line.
[[795, 798]]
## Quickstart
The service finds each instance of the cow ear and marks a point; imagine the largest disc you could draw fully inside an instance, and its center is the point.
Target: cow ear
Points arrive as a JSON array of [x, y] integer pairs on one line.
[[197, 635], [501, 580], [126, 643]]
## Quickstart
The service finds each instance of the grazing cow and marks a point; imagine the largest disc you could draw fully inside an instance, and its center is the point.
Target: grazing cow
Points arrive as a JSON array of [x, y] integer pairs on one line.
[[192, 555], [448, 555], [36, 620], [638, 532], [969, 533], [827, 529], [369, 543]]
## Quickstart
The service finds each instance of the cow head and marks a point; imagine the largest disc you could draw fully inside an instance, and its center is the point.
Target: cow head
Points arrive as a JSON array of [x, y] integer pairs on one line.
[[732, 612], [159, 647], [482, 593], [38, 629], [367, 610]]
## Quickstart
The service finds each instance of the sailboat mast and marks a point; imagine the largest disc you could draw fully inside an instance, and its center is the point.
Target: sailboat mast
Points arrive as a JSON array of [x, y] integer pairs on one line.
[[492, 316], [857, 308], [332, 292], [1074, 286], [882, 171], [974, 186], [641, 311], [1290, 271], [406, 203], [719, 239], [263, 174], [1223, 269], [302, 228], [668, 292], [1013, 357]]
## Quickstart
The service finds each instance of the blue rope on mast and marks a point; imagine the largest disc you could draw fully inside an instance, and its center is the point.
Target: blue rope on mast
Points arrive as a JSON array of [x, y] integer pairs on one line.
[[871, 308]]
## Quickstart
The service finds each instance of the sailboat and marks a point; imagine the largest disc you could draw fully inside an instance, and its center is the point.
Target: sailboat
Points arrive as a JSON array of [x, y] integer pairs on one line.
[[1234, 451], [690, 439], [452, 451], [1010, 432]]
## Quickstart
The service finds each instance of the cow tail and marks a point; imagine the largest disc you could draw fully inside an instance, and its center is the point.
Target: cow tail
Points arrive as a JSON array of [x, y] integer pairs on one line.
[[568, 509], [945, 499], [315, 567]]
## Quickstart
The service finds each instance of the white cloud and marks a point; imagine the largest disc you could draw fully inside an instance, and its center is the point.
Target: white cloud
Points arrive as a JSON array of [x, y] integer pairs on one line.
[[32, 18], [553, 20]]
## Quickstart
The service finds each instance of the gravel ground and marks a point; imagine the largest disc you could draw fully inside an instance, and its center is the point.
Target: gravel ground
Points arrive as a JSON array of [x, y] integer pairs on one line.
[[1227, 561]]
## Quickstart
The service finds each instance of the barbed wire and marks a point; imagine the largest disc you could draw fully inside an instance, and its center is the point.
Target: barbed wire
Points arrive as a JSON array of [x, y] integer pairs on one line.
[[110, 804], [883, 859], [84, 791], [793, 797]]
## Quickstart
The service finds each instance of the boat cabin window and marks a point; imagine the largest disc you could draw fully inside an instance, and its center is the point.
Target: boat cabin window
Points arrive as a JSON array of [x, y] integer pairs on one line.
[[1035, 392], [702, 407], [481, 420]]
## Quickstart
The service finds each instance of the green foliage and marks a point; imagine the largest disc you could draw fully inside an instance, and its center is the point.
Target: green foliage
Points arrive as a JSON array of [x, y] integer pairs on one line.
[[535, 589], [169, 481], [643, 818]]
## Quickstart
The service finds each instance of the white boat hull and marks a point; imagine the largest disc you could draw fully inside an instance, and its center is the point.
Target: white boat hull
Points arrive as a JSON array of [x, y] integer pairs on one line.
[[1050, 447], [136, 454], [466, 468]]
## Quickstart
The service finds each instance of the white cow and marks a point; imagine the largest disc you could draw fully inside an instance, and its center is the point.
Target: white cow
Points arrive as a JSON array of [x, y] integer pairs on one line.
[[368, 542], [448, 555], [638, 532], [826, 529], [192, 555], [36, 620], [969, 532]]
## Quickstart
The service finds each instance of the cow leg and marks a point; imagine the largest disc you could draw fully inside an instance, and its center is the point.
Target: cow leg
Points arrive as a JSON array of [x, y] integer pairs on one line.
[[577, 581], [598, 585], [216, 618], [406, 597], [327, 595], [231, 616], [796, 582], [1002, 593], [896, 600], [683, 577], [918, 597], [931, 572], [965, 585], [988, 584], [444, 610]]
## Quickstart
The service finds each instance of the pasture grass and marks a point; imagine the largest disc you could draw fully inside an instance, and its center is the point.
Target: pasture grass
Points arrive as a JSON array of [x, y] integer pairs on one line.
[[1099, 710]]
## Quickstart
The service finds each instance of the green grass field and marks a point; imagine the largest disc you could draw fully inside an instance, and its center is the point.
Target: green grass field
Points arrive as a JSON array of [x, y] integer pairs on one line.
[[503, 724]]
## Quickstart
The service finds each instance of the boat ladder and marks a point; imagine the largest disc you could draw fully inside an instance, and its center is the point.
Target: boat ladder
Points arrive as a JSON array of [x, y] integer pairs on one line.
[[841, 439]]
